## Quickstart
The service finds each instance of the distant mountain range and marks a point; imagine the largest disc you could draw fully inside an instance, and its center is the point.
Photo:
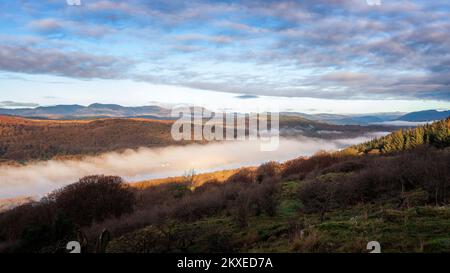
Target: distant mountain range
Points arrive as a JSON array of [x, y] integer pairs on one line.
[[353, 119], [95, 110], [401, 119], [425, 115], [98, 110]]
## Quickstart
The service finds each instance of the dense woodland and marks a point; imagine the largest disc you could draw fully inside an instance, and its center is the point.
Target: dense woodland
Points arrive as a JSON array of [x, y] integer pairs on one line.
[[23, 140], [330, 202], [436, 134]]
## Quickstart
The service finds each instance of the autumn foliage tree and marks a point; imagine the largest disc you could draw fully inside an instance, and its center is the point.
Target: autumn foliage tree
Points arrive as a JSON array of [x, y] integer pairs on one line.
[[94, 198]]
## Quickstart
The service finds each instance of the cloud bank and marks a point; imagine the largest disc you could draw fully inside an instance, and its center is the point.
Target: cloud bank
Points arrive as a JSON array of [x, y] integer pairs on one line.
[[136, 165], [313, 48]]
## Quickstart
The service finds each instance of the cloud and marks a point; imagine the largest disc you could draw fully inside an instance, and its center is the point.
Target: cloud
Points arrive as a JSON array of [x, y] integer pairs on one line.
[[32, 60], [48, 24], [17, 104], [402, 123], [316, 48], [245, 97], [218, 39], [346, 77], [53, 26], [110, 5]]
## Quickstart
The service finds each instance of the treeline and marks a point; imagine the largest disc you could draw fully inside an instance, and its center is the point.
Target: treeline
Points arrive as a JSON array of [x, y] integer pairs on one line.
[[23, 140], [436, 134]]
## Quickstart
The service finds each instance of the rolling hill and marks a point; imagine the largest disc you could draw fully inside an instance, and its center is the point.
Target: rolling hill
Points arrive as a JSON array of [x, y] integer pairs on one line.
[[377, 118], [436, 134], [29, 139], [428, 115], [95, 110], [99, 110], [330, 202], [23, 139]]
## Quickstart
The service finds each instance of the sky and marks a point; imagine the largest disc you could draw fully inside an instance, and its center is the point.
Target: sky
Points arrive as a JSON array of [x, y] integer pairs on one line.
[[307, 56]]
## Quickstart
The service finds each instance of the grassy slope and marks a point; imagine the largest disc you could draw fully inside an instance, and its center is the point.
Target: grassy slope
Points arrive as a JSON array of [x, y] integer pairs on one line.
[[417, 229], [414, 226], [198, 179]]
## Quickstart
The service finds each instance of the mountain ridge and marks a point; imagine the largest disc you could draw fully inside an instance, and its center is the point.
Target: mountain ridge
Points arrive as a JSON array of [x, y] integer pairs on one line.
[[101, 110], [71, 111], [426, 115]]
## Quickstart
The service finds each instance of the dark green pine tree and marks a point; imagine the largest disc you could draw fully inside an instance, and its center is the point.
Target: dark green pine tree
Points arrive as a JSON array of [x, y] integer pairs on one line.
[[436, 134]]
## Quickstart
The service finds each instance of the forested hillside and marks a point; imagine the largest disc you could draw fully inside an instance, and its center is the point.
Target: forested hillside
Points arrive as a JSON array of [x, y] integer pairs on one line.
[[26, 139], [436, 134], [330, 202]]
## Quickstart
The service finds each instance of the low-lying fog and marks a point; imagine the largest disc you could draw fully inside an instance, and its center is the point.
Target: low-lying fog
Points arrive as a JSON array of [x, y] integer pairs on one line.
[[37, 179], [403, 123]]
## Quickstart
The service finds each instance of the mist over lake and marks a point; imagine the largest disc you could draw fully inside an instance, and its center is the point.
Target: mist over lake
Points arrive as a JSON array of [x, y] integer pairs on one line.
[[38, 178]]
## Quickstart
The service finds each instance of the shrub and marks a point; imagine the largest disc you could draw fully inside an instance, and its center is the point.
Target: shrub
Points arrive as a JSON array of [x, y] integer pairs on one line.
[[242, 211], [414, 178], [267, 170], [300, 167], [310, 242], [94, 198], [242, 176], [346, 167], [48, 237], [264, 198], [15, 221], [318, 196]]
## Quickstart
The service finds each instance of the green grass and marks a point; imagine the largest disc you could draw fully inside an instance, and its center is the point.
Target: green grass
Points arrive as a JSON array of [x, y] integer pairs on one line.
[[289, 204], [418, 229]]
